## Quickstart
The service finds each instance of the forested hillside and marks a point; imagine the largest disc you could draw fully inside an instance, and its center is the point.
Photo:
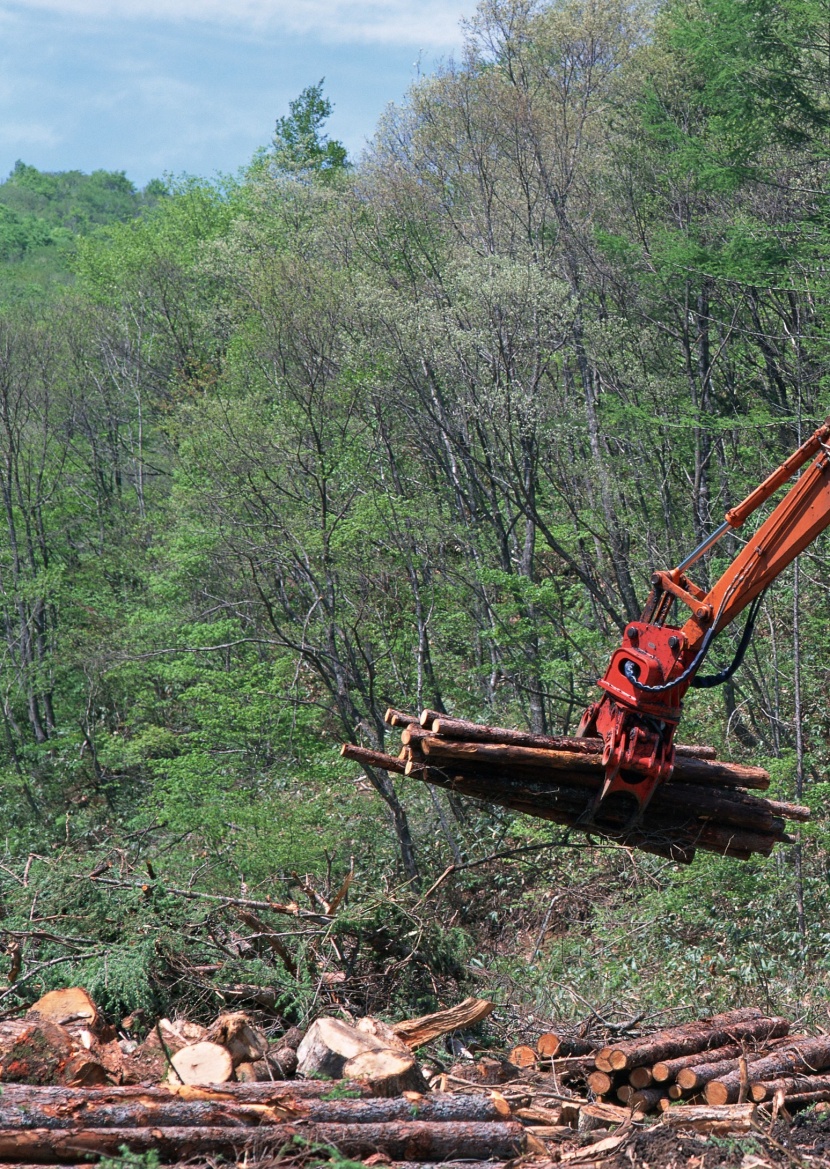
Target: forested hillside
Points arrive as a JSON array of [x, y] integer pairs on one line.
[[413, 430]]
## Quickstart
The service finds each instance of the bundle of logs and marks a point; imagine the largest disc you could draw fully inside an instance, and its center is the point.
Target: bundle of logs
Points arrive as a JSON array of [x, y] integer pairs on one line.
[[737, 1057], [704, 805]]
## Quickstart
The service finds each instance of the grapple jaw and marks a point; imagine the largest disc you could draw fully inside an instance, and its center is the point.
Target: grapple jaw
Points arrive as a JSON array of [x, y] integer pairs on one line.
[[636, 725]]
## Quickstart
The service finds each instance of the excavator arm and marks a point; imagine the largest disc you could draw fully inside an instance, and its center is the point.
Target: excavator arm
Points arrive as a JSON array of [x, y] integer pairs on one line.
[[649, 674]]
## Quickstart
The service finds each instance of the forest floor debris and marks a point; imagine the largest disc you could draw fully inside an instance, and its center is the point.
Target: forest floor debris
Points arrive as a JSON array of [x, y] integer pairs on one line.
[[735, 1089]]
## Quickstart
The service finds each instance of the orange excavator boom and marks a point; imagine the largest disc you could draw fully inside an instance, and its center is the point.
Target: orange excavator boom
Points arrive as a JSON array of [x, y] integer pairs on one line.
[[649, 674]]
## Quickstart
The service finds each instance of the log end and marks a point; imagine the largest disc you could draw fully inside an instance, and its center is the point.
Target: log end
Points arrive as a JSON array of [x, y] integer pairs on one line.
[[716, 1093]]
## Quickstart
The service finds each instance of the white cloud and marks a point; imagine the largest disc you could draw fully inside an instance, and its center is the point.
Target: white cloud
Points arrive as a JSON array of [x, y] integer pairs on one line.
[[428, 24]]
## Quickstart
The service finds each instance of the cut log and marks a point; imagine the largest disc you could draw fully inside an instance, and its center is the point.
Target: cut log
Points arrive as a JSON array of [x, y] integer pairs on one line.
[[175, 1035], [292, 1038], [386, 1072], [696, 1078], [664, 835], [272, 1093], [523, 1056], [328, 1045], [647, 1099], [283, 1063], [36, 1051], [605, 1113], [397, 718], [537, 1115], [668, 1069], [456, 728], [409, 1140], [624, 1092], [600, 1083], [237, 1033], [714, 1120], [691, 771], [332, 1048], [71, 1007], [553, 1046], [383, 1033], [150, 1109], [416, 1032], [804, 1056], [640, 1078], [202, 1063], [688, 1037], [789, 1085]]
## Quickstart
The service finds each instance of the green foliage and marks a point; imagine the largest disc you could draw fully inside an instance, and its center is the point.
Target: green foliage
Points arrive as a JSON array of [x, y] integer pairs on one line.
[[301, 149], [275, 455]]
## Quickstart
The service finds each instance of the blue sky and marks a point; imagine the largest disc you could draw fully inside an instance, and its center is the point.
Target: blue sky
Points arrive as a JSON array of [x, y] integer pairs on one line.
[[170, 86]]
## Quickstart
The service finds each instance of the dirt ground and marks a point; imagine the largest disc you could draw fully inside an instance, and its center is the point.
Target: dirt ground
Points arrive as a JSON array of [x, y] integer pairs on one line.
[[804, 1142]]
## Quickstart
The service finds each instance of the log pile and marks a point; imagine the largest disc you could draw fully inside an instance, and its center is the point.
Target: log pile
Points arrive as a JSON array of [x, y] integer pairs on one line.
[[705, 805], [70, 1087], [53, 1125], [738, 1057]]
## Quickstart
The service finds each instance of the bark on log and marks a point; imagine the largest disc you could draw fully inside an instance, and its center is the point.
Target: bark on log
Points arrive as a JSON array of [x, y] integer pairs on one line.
[[271, 1093], [553, 1046], [146, 1110], [142, 1113], [707, 1119], [412, 1140], [807, 1099], [373, 758], [697, 1077], [456, 728], [805, 1056], [682, 1040], [667, 1070], [237, 1033], [292, 1038], [647, 1099], [434, 1107], [282, 1063], [766, 1089], [691, 771], [674, 799], [36, 1051], [416, 1032], [672, 834]]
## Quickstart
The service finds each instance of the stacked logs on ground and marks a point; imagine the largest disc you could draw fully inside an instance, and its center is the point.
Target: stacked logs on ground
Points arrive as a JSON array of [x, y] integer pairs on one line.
[[739, 1057], [51, 1125], [63, 1040], [704, 805]]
